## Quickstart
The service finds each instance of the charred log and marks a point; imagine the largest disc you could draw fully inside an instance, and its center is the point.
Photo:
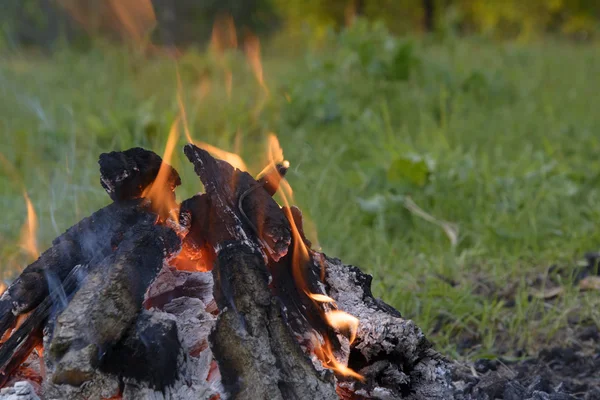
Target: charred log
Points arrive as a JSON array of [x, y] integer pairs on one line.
[[108, 302], [149, 352], [125, 174], [258, 356], [392, 353], [241, 207]]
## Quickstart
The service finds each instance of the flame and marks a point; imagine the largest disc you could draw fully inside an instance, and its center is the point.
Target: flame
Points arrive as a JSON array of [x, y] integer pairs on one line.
[[223, 38], [321, 298], [181, 105], [350, 12], [231, 158], [252, 49], [132, 19], [163, 200], [29, 231], [324, 353], [342, 321], [2, 287], [337, 319]]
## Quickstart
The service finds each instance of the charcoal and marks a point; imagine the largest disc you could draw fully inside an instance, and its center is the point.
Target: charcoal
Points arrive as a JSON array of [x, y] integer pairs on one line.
[[149, 351], [240, 207], [108, 302], [125, 174]]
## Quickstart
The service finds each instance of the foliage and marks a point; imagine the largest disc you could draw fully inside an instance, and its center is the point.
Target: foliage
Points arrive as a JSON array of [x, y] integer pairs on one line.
[[47, 23]]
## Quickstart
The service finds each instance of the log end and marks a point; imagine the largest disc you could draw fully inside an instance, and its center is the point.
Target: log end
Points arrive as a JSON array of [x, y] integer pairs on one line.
[[125, 174]]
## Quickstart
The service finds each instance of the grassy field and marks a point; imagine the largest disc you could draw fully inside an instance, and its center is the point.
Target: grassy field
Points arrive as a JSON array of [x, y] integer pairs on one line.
[[496, 143]]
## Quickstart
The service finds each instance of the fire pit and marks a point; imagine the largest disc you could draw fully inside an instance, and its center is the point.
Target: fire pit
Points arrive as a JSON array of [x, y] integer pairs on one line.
[[219, 296]]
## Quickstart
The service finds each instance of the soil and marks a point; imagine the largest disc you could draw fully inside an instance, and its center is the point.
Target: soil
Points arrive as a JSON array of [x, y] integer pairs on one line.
[[558, 373]]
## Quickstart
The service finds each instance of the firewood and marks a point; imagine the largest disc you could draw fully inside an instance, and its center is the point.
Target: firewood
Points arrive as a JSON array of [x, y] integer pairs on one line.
[[148, 352], [92, 237], [225, 186], [391, 352], [108, 302], [125, 174], [257, 353], [258, 356]]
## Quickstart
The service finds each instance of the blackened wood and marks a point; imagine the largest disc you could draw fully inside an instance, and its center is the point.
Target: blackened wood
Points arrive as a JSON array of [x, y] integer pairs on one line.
[[20, 343], [392, 353], [303, 314], [93, 237], [258, 356], [125, 174], [21, 353], [108, 302], [272, 176], [240, 207], [197, 253], [148, 352]]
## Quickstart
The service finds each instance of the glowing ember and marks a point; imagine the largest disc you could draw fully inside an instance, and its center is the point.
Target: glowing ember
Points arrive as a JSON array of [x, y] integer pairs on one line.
[[163, 200], [29, 231], [252, 48]]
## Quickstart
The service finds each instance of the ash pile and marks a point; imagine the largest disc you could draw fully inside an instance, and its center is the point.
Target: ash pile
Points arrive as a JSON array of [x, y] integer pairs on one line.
[[218, 297]]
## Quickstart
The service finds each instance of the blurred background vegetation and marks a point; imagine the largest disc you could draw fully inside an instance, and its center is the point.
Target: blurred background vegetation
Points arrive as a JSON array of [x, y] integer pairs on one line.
[[47, 23], [448, 147]]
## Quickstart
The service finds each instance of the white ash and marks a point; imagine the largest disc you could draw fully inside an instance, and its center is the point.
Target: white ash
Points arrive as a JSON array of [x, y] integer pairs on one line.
[[384, 333], [21, 390]]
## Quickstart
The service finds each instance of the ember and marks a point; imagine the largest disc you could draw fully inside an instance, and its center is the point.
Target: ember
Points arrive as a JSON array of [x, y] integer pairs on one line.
[[219, 296]]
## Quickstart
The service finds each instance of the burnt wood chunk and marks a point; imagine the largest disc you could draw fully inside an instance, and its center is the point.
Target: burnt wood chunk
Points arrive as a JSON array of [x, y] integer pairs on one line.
[[148, 352], [392, 353], [92, 238], [257, 354], [125, 174], [240, 207], [108, 302]]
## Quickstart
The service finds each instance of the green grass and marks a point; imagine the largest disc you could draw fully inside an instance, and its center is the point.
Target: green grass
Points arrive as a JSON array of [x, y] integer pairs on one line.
[[499, 139]]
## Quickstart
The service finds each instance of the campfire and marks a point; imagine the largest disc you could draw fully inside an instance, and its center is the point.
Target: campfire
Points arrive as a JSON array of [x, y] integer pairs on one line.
[[218, 296]]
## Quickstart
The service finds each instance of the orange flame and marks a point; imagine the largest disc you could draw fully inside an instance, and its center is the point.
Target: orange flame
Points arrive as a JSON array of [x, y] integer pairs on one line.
[[231, 158], [321, 298], [223, 38], [337, 319], [181, 105], [342, 321], [252, 49], [132, 19], [324, 353], [29, 231], [163, 199]]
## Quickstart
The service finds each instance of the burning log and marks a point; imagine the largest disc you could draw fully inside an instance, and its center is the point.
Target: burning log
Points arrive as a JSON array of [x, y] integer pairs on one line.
[[392, 353], [94, 238], [108, 302], [258, 356]]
